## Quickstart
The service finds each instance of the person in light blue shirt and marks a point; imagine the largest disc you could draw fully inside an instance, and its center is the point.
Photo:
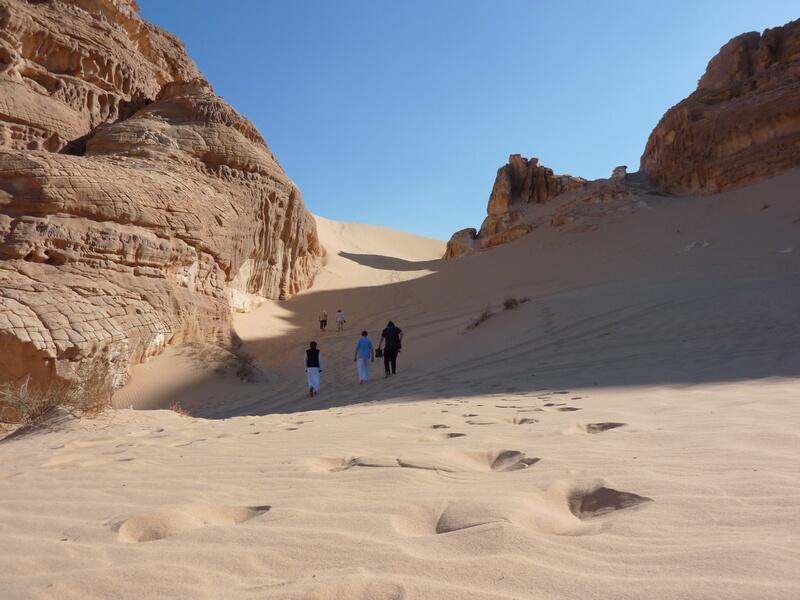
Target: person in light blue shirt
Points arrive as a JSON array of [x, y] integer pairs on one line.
[[364, 355]]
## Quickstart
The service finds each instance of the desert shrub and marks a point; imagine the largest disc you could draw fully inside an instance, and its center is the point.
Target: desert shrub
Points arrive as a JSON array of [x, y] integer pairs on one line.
[[178, 408], [28, 404], [246, 367], [484, 316], [224, 361], [511, 302]]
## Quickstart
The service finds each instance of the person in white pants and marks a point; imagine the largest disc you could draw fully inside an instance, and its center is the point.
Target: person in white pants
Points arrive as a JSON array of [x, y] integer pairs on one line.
[[364, 355], [340, 320], [313, 365]]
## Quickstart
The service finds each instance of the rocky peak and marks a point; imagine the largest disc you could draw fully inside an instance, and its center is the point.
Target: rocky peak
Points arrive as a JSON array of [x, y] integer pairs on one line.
[[519, 184]]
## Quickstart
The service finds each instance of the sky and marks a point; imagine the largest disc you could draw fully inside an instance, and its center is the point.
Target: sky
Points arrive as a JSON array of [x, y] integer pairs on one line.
[[399, 113]]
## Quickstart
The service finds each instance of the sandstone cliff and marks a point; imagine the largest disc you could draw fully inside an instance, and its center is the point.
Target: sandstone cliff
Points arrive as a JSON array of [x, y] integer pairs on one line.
[[742, 123], [137, 208]]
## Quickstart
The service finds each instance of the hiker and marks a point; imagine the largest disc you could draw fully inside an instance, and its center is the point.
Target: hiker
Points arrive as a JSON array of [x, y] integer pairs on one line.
[[340, 320], [313, 364], [323, 320], [393, 336], [363, 356]]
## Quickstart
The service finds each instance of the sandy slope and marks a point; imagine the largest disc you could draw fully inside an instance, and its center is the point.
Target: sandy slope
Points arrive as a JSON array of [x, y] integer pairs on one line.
[[676, 320]]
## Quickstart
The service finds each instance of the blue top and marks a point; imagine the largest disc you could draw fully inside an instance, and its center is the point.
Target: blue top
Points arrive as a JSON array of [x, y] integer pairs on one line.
[[364, 348]]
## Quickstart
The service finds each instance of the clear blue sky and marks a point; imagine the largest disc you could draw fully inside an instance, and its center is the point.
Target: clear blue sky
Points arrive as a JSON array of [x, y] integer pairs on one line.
[[399, 112]]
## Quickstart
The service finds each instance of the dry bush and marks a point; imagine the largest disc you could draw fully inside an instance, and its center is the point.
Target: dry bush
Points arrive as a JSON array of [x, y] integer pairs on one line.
[[177, 408], [481, 318], [27, 404], [246, 367], [511, 302], [224, 361]]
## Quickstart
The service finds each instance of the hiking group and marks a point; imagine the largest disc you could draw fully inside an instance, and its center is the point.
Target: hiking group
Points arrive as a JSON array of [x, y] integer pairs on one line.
[[389, 347]]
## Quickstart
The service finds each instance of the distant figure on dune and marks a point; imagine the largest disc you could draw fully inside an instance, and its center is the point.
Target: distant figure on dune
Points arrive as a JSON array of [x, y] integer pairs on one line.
[[313, 364], [392, 335], [323, 320], [364, 355], [340, 320]]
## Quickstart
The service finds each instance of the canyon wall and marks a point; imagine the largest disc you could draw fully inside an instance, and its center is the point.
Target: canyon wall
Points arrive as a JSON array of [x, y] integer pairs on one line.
[[742, 123], [137, 208]]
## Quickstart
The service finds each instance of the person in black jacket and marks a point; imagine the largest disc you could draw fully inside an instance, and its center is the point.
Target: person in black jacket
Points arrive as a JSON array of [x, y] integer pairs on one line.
[[392, 336], [313, 364]]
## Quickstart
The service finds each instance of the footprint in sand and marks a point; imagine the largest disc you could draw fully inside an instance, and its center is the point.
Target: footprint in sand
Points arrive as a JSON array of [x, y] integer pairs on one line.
[[565, 509], [568, 409], [451, 435], [163, 524], [497, 461], [600, 427], [523, 421], [350, 463], [590, 503], [440, 426], [512, 460]]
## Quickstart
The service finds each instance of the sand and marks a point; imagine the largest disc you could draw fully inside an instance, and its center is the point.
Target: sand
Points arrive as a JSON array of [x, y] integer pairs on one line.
[[630, 431]]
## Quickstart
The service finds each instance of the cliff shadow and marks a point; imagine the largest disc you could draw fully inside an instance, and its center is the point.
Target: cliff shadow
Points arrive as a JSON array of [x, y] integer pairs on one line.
[[672, 333], [391, 263]]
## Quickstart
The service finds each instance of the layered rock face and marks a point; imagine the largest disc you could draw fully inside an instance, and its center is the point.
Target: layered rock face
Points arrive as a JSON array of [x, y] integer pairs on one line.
[[137, 208], [742, 123], [519, 184]]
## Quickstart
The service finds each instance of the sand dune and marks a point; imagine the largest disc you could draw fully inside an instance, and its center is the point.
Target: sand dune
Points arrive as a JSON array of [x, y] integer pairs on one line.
[[628, 432]]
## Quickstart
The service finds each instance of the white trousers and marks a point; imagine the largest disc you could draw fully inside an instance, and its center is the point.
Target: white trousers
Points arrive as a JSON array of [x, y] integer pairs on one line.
[[313, 378], [363, 369]]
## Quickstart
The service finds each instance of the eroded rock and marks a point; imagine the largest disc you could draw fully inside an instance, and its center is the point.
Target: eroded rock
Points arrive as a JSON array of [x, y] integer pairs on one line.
[[742, 124], [519, 184], [137, 208]]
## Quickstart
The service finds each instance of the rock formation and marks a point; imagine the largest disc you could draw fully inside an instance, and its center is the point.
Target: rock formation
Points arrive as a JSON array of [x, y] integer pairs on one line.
[[742, 123], [518, 184], [137, 208]]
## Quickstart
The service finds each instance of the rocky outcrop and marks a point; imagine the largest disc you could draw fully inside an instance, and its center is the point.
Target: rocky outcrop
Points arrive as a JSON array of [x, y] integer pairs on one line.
[[137, 208], [742, 123], [519, 184]]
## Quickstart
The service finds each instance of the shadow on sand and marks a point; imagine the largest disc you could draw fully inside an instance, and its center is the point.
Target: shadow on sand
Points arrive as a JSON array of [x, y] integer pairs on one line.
[[390, 263], [708, 330], [626, 305]]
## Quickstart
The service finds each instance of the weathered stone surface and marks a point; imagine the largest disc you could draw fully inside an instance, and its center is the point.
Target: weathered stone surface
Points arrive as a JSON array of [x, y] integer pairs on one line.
[[137, 208], [742, 123], [518, 185], [462, 242]]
